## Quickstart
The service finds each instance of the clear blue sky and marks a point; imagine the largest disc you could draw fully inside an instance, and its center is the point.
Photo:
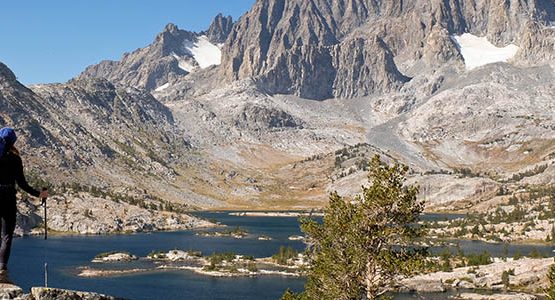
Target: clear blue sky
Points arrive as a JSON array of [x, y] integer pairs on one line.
[[54, 40]]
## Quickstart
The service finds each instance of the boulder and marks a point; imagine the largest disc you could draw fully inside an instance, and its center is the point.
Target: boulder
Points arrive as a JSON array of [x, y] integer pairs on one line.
[[42, 293]]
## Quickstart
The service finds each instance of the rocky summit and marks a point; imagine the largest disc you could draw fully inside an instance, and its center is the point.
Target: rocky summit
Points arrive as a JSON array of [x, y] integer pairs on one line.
[[461, 91]]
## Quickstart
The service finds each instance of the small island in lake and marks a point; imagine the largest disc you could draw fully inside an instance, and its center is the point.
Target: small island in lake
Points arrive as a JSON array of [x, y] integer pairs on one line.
[[237, 233], [287, 262]]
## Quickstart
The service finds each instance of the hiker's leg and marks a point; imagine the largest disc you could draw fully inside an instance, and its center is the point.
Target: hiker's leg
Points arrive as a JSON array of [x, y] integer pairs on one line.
[[7, 229]]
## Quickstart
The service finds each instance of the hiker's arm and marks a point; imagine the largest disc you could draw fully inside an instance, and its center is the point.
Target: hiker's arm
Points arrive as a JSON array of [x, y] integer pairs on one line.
[[20, 178]]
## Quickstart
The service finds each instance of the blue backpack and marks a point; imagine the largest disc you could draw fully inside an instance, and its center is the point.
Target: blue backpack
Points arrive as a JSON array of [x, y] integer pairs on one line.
[[7, 139]]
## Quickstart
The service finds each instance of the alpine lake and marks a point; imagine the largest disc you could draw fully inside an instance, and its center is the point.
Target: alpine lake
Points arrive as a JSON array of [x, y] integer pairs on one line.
[[65, 254]]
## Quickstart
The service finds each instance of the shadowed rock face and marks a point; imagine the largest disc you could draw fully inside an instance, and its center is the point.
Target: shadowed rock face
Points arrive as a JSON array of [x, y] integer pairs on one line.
[[6, 75], [537, 43], [308, 48], [220, 29]]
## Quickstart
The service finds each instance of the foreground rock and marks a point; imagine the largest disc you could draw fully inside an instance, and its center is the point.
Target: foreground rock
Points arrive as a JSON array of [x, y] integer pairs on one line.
[[41, 293], [9, 291]]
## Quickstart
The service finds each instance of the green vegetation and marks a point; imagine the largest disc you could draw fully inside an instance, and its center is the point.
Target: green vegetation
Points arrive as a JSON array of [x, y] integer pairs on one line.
[[466, 172], [446, 260], [505, 277], [483, 258], [362, 245], [529, 173], [351, 159], [218, 258], [230, 262], [550, 291], [535, 254], [157, 255], [284, 255], [237, 232], [194, 253]]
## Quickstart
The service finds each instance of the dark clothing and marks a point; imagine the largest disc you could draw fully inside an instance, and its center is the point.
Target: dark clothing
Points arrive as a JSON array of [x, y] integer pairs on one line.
[[7, 227], [11, 172]]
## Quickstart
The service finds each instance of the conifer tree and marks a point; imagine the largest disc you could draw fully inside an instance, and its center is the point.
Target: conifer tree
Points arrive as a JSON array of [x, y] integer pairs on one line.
[[550, 292], [363, 245]]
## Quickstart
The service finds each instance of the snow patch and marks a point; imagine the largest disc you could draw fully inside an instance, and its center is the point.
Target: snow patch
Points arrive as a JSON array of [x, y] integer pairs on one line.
[[162, 87], [200, 53], [205, 53], [478, 51], [552, 25]]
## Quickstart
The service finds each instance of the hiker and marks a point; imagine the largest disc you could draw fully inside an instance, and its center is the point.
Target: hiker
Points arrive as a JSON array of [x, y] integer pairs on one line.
[[11, 172]]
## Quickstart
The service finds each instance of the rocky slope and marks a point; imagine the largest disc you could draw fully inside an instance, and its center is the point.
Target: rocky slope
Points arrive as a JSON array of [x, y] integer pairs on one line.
[[87, 133]]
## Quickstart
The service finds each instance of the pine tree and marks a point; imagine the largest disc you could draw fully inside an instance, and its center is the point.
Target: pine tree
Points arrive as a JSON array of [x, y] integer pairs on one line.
[[362, 245], [550, 292]]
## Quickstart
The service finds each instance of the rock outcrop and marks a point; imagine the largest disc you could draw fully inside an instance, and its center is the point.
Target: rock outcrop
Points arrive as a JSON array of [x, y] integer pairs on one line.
[[528, 273], [292, 47], [219, 29], [259, 117], [10, 291], [537, 44], [43, 293], [13, 292]]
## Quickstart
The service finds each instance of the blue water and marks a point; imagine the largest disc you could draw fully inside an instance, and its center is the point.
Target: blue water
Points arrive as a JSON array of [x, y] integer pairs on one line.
[[66, 254]]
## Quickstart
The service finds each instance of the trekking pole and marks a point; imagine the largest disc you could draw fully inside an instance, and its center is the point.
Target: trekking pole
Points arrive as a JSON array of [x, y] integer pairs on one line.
[[45, 222], [45, 274], [45, 237]]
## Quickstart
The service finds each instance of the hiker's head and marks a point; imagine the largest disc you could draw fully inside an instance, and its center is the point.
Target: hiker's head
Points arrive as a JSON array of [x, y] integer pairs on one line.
[[9, 136]]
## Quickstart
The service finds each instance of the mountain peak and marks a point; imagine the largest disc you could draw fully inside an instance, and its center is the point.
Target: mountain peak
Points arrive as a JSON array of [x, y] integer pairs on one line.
[[6, 74], [219, 29], [171, 28]]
